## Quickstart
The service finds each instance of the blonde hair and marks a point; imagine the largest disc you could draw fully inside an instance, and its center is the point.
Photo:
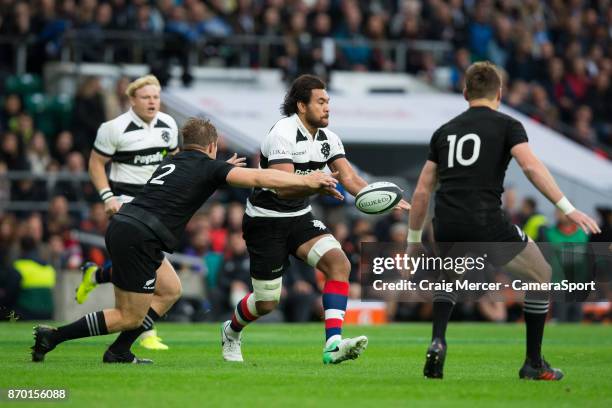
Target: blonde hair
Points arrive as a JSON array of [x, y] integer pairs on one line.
[[140, 83]]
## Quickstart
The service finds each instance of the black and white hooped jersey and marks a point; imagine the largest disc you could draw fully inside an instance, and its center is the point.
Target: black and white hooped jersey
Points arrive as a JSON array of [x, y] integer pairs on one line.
[[135, 148], [290, 142]]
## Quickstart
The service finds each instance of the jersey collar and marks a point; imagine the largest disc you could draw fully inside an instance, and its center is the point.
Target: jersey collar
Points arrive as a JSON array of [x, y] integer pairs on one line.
[[141, 123], [303, 128]]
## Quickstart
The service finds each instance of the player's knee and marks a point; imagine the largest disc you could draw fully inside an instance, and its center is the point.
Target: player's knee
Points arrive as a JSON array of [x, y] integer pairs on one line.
[[265, 307], [337, 268], [545, 273], [132, 321], [176, 292], [267, 293]]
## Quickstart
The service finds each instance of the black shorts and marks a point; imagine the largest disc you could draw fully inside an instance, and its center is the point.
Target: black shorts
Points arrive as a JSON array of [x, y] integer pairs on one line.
[[136, 254], [271, 240], [500, 240]]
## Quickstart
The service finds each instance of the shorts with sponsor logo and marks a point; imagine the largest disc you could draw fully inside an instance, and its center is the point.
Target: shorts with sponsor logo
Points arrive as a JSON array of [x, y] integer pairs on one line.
[[136, 254], [491, 236], [270, 240]]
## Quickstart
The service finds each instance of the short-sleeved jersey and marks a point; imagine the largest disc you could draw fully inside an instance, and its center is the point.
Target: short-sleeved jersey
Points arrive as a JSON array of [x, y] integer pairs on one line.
[[135, 148], [179, 187], [472, 152], [290, 142]]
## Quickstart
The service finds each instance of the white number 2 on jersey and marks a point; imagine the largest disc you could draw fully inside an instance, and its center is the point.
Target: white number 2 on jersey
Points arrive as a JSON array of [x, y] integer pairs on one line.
[[158, 179], [458, 153]]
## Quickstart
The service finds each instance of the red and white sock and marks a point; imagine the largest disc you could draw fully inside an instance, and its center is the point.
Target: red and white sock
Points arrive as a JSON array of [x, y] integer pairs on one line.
[[335, 298], [244, 313]]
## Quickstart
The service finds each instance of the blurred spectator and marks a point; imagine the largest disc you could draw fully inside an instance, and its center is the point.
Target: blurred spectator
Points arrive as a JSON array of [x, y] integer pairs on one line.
[[235, 212], [38, 154], [34, 300], [355, 52], [218, 232], [566, 238], [116, 101], [74, 188], [96, 224], [25, 128], [12, 152], [58, 219], [88, 114], [235, 276], [11, 109], [532, 222], [64, 145]]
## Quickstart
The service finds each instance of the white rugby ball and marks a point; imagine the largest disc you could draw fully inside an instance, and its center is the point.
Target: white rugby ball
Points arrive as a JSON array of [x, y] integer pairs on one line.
[[378, 198]]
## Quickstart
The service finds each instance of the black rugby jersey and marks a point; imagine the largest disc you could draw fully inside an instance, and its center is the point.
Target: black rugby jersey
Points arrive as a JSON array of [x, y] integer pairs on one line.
[[472, 152], [177, 189]]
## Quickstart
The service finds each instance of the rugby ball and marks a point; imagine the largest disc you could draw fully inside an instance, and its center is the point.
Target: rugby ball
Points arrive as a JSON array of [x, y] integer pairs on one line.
[[378, 198]]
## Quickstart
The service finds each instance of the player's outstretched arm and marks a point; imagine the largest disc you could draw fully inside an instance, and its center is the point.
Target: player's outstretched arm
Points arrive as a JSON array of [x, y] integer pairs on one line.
[[540, 177], [270, 178], [97, 173], [301, 192], [352, 182], [420, 200]]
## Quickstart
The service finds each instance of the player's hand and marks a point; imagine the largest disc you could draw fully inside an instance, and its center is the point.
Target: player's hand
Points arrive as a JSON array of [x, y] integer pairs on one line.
[[584, 221], [332, 192], [111, 206], [403, 205], [319, 180], [237, 161]]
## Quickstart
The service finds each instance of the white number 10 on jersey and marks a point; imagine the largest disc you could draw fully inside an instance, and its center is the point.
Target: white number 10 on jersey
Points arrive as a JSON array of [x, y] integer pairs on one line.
[[458, 153]]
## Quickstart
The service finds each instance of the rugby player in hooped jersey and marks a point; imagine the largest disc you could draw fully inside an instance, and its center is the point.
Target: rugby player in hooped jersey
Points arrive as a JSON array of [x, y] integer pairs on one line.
[[154, 222], [279, 222]]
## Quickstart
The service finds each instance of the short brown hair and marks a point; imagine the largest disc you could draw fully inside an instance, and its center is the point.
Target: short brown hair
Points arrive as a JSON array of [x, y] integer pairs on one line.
[[198, 131], [482, 80]]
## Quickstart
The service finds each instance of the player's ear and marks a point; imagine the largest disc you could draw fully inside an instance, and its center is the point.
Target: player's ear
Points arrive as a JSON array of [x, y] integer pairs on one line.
[[301, 107], [465, 94]]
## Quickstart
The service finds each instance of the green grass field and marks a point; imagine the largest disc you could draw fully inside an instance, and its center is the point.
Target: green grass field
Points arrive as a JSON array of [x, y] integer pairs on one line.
[[283, 368]]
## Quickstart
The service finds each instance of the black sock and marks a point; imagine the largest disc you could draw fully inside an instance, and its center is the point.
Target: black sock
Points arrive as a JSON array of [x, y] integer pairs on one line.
[[92, 324], [441, 315], [125, 340], [535, 318], [104, 274]]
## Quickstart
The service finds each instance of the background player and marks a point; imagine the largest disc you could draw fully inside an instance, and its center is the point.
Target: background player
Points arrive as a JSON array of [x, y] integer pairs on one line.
[[469, 156], [279, 222], [154, 222], [135, 142]]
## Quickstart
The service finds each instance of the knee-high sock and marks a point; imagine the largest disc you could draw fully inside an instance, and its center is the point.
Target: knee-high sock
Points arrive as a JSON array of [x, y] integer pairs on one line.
[[535, 318], [443, 304], [244, 313], [124, 341], [335, 298], [92, 324]]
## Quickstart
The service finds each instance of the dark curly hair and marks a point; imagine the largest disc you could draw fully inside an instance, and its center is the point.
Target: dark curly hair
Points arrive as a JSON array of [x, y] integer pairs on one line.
[[300, 91]]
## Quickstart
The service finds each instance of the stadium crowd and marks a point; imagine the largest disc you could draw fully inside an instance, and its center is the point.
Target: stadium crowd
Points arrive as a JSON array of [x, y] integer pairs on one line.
[[557, 55]]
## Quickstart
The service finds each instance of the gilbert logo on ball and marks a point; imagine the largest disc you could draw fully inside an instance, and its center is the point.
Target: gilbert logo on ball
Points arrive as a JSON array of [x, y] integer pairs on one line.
[[378, 198]]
